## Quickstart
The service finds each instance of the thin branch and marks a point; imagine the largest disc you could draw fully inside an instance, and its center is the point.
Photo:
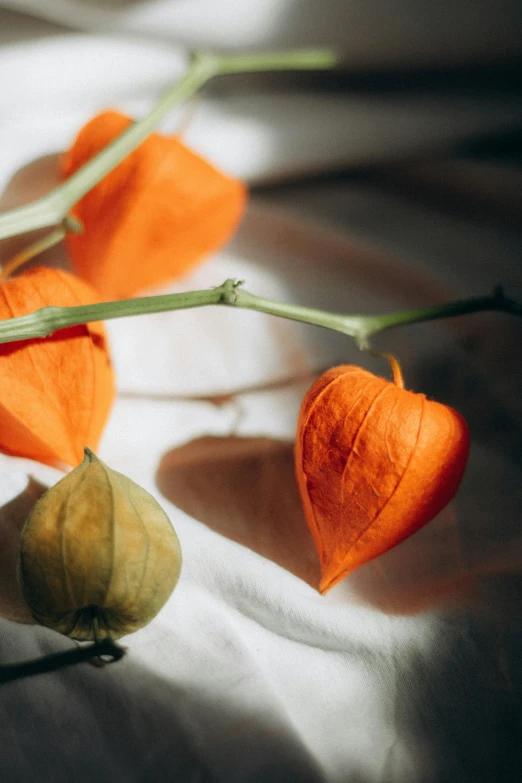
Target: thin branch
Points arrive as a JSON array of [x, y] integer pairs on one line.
[[44, 322], [497, 302], [48, 320], [49, 663], [52, 208], [54, 237]]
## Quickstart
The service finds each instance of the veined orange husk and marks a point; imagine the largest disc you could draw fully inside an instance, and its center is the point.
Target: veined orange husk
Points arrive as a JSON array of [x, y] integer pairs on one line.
[[57, 392], [154, 217], [374, 463]]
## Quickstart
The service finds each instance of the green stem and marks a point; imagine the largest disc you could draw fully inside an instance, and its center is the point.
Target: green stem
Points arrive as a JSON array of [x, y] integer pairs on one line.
[[298, 60], [361, 327], [346, 324], [50, 319], [52, 208], [54, 237], [370, 325]]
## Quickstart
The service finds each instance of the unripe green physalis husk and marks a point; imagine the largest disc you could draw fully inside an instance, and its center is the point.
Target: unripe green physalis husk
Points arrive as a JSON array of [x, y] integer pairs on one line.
[[99, 557]]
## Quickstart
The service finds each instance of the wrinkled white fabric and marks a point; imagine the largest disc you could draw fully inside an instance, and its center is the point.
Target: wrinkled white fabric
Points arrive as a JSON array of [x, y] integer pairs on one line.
[[408, 670], [369, 34]]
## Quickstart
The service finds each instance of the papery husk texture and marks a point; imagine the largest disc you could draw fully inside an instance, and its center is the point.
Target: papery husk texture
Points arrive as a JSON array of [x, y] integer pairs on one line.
[[99, 556], [161, 211], [374, 463], [57, 392]]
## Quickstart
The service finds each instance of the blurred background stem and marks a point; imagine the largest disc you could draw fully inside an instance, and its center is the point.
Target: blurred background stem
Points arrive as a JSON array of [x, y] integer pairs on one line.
[[51, 209]]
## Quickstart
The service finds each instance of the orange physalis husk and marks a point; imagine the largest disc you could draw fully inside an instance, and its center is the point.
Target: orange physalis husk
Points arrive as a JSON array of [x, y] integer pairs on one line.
[[374, 463], [56, 392], [156, 215]]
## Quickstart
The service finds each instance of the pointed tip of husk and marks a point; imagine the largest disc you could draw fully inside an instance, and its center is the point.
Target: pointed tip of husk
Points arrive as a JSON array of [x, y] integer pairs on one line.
[[329, 580]]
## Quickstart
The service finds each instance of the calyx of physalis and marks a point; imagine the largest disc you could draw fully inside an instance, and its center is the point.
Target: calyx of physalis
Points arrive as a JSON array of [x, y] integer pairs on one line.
[[374, 463], [99, 557]]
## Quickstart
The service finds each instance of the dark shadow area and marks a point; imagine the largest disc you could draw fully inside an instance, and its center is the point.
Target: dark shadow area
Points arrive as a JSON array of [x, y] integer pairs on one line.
[[12, 520], [245, 489], [502, 147], [125, 723], [466, 693], [111, 5], [14, 27], [404, 33], [459, 700], [435, 81], [349, 261], [31, 182], [483, 188], [459, 697], [482, 380], [425, 572]]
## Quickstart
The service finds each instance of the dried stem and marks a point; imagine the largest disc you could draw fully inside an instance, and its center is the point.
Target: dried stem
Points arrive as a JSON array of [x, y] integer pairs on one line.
[[49, 663]]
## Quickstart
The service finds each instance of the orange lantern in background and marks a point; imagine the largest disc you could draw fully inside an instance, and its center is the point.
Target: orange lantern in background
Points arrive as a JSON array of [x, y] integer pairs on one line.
[[154, 217]]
